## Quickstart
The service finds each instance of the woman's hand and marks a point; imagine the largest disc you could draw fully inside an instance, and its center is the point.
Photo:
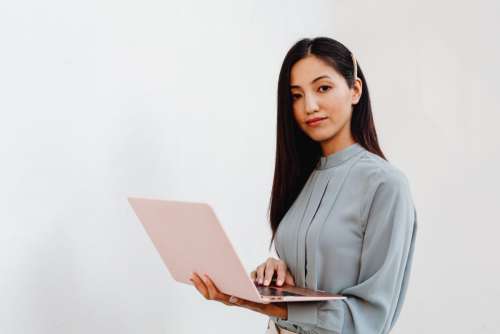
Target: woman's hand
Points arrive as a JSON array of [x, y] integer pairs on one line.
[[208, 289], [265, 272]]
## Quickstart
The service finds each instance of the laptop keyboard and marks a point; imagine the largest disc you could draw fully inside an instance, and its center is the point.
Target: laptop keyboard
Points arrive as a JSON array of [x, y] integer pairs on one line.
[[271, 291]]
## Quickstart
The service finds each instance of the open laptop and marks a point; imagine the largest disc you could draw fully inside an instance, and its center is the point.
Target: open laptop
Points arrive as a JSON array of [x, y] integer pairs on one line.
[[190, 239]]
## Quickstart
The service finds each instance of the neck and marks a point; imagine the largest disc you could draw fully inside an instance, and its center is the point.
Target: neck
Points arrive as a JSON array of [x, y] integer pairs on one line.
[[338, 142]]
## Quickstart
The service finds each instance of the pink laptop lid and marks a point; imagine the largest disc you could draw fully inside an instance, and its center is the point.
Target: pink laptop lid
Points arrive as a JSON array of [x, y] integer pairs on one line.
[[190, 239]]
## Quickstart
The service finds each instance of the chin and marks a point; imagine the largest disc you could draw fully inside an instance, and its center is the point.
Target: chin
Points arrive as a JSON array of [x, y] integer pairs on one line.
[[321, 135]]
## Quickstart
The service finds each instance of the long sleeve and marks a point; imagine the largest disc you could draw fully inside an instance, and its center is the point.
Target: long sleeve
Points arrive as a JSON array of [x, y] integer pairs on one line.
[[374, 303]]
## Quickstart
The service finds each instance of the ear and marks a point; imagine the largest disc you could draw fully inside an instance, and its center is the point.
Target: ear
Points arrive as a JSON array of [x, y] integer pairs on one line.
[[356, 91]]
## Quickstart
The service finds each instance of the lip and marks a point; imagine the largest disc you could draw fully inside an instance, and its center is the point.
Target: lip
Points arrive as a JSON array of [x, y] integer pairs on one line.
[[314, 121]]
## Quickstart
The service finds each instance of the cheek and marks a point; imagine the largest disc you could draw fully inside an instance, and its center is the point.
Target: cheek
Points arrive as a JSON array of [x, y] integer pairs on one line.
[[300, 118], [337, 106], [298, 115]]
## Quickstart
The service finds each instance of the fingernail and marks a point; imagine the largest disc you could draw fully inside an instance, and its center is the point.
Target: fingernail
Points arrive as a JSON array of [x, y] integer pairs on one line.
[[233, 299], [266, 282], [260, 281], [280, 281]]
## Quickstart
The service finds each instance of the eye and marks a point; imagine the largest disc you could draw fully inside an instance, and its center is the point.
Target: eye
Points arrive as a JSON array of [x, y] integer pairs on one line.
[[327, 88], [295, 97]]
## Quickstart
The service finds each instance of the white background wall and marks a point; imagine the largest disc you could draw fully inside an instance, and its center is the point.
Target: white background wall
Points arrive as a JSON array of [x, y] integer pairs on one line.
[[104, 99]]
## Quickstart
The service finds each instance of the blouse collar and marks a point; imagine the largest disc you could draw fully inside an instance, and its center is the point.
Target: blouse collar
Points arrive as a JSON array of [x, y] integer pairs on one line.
[[339, 157]]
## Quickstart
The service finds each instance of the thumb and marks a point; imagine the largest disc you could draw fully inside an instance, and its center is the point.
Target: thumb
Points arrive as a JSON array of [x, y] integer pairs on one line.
[[289, 279]]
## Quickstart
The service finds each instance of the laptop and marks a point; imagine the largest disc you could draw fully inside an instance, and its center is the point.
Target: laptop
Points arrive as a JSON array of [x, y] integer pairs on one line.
[[189, 238]]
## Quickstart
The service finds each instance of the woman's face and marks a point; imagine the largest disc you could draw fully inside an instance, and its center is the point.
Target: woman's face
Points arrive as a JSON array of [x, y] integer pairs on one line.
[[322, 103]]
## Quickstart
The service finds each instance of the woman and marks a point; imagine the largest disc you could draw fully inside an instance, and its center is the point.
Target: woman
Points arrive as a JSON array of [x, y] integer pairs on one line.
[[342, 217]]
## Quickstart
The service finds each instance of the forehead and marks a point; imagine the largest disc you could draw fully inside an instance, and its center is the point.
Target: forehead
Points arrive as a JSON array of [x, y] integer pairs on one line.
[[309, 68]]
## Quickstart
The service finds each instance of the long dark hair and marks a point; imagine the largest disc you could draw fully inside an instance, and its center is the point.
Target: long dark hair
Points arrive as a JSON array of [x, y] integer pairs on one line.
[[296, 153]]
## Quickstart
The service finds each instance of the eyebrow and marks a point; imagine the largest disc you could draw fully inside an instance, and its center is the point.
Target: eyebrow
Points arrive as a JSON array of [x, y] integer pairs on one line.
[[318, 78]]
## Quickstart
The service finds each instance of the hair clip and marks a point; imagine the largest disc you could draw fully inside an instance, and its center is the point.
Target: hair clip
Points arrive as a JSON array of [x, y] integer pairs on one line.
[[355, 64]]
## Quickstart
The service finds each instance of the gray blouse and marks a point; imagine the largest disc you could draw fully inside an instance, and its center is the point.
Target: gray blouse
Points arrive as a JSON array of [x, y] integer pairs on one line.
[[350, 231]]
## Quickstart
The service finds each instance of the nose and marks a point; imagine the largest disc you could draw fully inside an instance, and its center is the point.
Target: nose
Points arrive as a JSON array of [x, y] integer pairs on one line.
[[311, 104]]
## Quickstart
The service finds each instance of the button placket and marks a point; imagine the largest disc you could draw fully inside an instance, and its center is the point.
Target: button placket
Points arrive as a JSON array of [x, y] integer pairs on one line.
[[310, 211]]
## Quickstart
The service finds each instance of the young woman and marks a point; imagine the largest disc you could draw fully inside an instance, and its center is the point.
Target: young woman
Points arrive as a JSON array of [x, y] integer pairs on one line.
[[342, 217]]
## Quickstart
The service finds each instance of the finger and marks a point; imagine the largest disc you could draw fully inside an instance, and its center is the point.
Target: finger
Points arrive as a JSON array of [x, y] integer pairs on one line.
[[289, 280], [210, 291], [269, 273], [253, 275], [213, 292], [260, 273], [281, 273], [200, 286], [219, 296]]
